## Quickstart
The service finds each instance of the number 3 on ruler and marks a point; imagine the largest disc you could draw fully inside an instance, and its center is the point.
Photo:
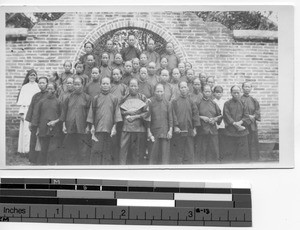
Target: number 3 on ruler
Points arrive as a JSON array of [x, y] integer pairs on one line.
[[190, 214]]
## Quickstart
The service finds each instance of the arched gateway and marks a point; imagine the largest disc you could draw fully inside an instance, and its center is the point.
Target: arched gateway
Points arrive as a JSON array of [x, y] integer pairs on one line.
[[100, 34]]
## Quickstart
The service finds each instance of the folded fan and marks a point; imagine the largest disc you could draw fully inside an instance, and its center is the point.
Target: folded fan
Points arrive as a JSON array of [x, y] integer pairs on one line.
[[133, 104]]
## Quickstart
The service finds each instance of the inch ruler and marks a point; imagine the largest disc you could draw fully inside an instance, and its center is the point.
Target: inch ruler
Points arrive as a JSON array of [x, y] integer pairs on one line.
[[124, 202]]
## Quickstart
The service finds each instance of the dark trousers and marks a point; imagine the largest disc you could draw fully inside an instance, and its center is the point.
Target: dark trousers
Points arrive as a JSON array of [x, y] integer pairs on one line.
[[116, 141], [253, 145], [43, 155], [208, 151], [76, 149], [101, 153], [222, 143], [159, 151], [33, 155], [236, 149], [135, 144], [50, 150], [182, 149]]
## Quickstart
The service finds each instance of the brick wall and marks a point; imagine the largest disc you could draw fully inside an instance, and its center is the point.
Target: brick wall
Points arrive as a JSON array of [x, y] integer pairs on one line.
[[210, 47]]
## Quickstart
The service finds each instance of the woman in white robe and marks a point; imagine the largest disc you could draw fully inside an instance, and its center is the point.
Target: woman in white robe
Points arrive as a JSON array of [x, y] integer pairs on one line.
[[29, 88]]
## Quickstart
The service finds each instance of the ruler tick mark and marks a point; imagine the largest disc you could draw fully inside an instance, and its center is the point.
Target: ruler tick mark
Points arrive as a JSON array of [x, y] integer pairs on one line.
[[185, 213]]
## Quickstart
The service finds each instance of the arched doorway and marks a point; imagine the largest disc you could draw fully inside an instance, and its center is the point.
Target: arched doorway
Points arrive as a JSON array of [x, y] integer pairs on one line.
[[143, 29], [120, 36]]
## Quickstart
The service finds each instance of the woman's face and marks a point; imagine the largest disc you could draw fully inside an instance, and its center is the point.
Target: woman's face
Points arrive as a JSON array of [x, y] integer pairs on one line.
[[42, 84], [50, 89], [32, 77]]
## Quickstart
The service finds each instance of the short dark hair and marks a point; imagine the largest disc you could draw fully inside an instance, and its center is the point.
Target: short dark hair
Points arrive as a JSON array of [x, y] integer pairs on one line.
[[70, 78], [233, 87], [189, 63], [89, 43], [157, 84], [96, 68], [218, 88], [118, 53], [246, 83], [173, 70], [79, 63], [112, 72], [54, 85], [67, 62], [81, 79], [190, 70], [104, 53], [180, 83], [133, 79], [165, 70], [91, 55], [101, 79], [43, 77], [206, 85]]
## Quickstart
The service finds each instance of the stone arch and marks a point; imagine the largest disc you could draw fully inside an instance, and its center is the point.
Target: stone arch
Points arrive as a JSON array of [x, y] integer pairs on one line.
[[127, 23]]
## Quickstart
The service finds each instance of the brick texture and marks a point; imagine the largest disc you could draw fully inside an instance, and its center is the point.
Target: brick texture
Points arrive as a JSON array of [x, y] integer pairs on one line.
[[210, 47]]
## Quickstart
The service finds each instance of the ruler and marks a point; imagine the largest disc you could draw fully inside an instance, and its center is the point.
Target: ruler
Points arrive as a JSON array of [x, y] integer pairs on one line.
[[93, 201]]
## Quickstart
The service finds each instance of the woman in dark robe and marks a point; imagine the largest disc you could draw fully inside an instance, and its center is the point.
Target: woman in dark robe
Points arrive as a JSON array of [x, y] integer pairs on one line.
[[75, 109], [46, 117]]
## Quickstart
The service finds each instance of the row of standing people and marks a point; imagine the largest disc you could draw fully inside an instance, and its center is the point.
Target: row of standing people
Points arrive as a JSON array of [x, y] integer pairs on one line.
[[112, 57], [133, 132]]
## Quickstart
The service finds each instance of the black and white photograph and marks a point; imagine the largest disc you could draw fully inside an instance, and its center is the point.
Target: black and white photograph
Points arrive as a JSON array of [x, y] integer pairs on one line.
[[143, 88]]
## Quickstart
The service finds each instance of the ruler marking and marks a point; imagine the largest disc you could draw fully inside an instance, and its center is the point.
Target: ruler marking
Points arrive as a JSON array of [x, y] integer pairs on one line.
[[234, 215], [128, 212]]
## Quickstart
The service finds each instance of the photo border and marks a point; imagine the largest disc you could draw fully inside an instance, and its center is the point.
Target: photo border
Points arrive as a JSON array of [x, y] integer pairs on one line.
[[285, 82]]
